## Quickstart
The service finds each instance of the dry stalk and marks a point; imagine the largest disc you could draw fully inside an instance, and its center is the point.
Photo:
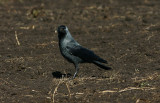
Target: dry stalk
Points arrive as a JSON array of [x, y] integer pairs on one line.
[[68, 90], [150, 77], [126, 89], [18, 43], [55, 90]]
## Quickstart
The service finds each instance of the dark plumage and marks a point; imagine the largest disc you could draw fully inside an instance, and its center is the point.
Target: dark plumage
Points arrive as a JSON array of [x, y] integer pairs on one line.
[[75, 53]]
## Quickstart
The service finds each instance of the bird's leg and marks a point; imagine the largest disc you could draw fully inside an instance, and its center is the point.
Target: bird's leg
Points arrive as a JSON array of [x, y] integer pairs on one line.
[[77, 69]]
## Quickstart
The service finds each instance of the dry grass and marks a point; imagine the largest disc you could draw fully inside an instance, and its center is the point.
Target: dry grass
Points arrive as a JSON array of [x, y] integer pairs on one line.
[[83, 81], [149, 77]]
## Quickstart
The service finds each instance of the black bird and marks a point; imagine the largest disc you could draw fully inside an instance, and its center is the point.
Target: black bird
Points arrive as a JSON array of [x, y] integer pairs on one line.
[[75, 53]]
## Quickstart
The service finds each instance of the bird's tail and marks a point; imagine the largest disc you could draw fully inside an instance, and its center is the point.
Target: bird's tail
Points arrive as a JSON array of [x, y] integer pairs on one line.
[[101, 65]]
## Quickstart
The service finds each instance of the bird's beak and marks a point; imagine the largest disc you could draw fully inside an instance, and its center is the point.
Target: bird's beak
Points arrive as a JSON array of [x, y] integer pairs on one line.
[[55, 31]]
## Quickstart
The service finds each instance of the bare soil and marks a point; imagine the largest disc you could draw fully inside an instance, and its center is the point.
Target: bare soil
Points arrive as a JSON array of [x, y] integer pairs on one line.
[[124, 32]]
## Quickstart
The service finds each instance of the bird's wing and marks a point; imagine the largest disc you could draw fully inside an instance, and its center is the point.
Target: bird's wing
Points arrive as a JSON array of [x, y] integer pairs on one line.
[[84, 54]]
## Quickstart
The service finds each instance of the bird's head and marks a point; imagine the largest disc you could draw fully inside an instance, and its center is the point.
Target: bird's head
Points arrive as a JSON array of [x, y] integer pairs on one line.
[[62, 31]]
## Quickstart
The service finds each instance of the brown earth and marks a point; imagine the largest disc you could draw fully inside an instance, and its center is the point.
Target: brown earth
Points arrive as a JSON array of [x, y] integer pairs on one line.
[[124, 32]]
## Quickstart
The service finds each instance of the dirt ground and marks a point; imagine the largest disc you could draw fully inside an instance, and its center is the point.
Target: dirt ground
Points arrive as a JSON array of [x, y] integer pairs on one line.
[[124, 32]]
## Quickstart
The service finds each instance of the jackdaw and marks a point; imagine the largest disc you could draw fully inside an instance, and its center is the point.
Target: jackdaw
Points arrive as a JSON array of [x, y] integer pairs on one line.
[[75, 53]]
